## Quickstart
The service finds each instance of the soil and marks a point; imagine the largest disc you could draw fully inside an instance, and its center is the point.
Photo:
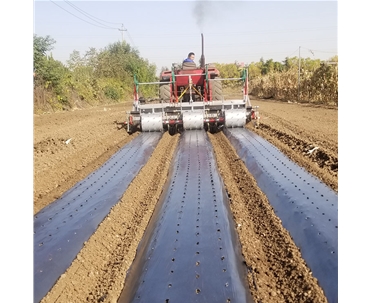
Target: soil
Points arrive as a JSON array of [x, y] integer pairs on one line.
[[68, 146]]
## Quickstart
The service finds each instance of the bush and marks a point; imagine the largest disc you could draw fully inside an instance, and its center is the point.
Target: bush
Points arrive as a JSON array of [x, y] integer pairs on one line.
[[111, 93]]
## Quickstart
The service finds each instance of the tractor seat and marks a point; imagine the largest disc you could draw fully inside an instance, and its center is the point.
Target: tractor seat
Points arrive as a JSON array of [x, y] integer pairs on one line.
[[188, 65]]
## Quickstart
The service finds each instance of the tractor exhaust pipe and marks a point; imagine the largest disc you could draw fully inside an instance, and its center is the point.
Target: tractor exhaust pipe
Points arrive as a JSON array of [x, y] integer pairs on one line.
[[202, 59]]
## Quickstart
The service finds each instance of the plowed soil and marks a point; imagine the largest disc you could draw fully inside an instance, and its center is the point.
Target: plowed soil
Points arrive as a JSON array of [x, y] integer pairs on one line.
[[70, 145]]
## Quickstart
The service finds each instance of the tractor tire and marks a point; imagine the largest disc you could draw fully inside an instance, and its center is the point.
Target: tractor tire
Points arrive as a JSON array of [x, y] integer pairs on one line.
[[216, 87], [164, 92], [172, 130], [213, 129]]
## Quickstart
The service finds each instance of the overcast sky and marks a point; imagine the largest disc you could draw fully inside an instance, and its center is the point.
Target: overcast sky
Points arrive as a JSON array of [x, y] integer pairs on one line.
[[165, 31]]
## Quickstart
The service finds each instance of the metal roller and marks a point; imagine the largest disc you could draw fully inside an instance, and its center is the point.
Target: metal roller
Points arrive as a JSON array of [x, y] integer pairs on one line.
[[235, 117], [152, 122], [193, 119]]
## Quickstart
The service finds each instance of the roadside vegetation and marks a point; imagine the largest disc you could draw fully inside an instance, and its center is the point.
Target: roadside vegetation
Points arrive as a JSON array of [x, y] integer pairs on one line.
[[96, 77], [107, 76]]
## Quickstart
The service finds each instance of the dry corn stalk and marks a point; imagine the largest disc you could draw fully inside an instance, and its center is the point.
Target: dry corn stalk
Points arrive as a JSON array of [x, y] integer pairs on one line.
[[319, 86]]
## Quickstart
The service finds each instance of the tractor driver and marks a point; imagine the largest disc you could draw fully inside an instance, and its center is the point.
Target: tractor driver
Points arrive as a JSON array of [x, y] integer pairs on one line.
[[190, 58]]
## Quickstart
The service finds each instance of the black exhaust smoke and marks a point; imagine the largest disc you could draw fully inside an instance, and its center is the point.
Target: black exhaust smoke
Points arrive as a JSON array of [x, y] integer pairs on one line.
[[202, 58]]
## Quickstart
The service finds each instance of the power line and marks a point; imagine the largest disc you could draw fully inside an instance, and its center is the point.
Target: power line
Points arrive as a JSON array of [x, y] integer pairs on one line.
[[131, 40], [122, 29], [314, 50], [292, 53], [87, 14], [126, 30], [106, 27]]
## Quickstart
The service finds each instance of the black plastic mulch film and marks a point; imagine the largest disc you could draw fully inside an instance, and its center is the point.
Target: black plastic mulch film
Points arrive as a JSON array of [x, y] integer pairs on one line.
[[307, 207], [190, 251], [61, 228]]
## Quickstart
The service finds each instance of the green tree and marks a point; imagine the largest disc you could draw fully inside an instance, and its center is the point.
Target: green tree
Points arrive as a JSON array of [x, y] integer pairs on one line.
[[270, 66], [289, 63], [91, 58], [254, 70], [75, 60], [49, 73], [229, 70], [113, 62], [41, 46], [120, 62], [309, 65]]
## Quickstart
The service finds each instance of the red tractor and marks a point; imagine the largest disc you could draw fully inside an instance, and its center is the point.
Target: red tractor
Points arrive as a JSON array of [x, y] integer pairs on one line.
[[190, 97], [191, 83]]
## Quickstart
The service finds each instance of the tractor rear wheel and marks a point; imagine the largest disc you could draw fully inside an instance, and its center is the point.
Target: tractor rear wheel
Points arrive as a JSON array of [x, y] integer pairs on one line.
[[172, 129], [164, 92], [216, 87], [213, 128]]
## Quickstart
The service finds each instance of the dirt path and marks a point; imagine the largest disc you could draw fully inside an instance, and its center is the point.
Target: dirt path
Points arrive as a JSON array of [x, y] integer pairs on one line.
[[278, 273]]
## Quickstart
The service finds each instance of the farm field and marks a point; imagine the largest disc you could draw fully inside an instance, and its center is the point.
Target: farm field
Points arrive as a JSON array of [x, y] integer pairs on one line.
[[68, 146]]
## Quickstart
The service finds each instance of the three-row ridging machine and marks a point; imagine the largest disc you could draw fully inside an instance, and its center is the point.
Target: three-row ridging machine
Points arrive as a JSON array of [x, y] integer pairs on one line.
[[191, 98]]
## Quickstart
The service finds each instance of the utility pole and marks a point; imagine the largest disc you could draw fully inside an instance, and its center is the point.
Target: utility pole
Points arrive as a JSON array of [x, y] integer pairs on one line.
[[299, 72], [122, 29]]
